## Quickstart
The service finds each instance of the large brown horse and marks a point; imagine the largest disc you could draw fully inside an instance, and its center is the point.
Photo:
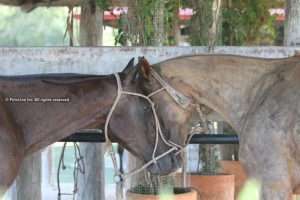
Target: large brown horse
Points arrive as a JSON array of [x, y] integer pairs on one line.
[[38, 110], [260, 98]]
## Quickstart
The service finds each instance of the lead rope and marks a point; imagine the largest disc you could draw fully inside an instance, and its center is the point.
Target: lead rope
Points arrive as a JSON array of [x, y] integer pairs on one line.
[[158, 133], [179, 98]]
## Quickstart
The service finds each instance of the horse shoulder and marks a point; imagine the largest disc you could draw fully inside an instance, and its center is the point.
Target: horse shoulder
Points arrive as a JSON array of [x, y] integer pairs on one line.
[[11, 148]]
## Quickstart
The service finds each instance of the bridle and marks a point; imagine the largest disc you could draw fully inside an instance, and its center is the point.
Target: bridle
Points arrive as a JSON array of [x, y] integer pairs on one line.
[[178, 97]]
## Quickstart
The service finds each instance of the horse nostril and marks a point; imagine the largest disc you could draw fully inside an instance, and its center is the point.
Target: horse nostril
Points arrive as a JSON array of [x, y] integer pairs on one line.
[[175, 161], [154, 168]]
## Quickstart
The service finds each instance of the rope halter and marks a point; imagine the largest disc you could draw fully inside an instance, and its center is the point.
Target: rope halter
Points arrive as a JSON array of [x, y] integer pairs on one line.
[[178, 97]]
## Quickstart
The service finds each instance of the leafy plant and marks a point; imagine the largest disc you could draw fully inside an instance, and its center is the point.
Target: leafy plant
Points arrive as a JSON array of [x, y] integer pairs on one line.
[[155, 185], [246, 22], [209, 155], [201, 22], [138, 26], [243, 22], [104, 4]]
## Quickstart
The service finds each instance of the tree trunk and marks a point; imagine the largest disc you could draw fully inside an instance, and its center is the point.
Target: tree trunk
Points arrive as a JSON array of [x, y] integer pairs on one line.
[[205, 24], [292, 24], [176, 31], [158, 22], [28, 183], [214, 31], [200, 22], [91, 24], [92, 182]]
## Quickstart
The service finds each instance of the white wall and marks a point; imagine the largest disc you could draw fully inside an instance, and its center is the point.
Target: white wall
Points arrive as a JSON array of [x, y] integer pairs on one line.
[[105, 60]]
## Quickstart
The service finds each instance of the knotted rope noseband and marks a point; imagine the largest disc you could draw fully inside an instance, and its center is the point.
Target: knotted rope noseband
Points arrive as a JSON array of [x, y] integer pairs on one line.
[[178, 97]]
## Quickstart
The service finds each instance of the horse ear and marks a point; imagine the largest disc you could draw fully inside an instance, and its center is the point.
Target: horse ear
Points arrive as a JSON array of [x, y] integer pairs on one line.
[[144, 68], [129, 66], [130, 72]]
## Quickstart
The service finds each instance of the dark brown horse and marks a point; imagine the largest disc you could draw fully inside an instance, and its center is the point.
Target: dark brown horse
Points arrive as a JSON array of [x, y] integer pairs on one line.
[[38, 110], [260, 98]]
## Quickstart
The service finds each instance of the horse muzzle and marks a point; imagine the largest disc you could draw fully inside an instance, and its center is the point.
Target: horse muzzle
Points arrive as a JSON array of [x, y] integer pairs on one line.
[[166, 165]]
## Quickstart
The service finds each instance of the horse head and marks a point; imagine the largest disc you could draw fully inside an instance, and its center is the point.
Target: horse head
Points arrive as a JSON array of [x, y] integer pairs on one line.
[[133, 126], [174, 116]]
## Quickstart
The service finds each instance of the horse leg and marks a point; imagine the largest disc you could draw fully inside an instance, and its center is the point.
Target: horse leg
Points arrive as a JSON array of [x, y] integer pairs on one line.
[[276, 190], [11, 149], [271, 169]]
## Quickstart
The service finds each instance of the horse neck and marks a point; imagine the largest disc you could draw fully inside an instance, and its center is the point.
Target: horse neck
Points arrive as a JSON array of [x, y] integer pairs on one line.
[[223, 83], [44, 124]]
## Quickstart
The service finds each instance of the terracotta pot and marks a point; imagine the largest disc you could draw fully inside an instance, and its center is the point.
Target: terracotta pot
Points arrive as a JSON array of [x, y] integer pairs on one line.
[[296, 196], [214, 187], [237, 169], [191, 195]]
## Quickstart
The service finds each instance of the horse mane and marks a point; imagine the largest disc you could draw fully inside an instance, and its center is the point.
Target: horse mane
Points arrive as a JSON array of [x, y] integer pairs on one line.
[[144, 67]]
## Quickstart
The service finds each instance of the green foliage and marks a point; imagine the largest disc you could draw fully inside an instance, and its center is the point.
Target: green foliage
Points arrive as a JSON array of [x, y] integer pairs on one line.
[[120, 35], [171, 20], [251, 190], [145, 13], [246, 22], [201, 22], [166, 193], [104, 4], [41, 27], [209, 156], [156, 185], [139, 28]]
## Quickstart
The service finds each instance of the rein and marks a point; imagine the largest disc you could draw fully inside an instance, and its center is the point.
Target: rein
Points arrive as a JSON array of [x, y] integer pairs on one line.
[[178, 97]]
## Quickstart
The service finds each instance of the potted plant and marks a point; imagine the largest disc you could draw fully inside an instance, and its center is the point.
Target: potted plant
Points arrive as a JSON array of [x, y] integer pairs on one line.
[[162, 188], [209, 183]]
